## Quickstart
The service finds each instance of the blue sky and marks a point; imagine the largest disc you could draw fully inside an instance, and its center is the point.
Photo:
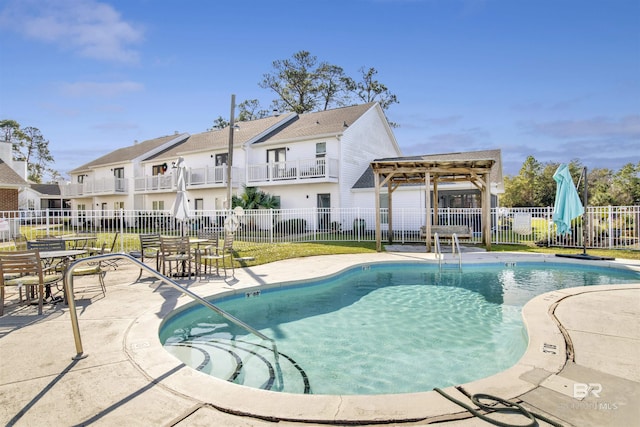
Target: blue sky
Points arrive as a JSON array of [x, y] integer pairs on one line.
[[556, 79]]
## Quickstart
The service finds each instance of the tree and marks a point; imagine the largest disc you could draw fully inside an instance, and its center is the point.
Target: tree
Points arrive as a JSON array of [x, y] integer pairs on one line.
[[521, 190], [219, 123], [34, 150], [303, 84], [368, 89], [295, 81], [250, 110], [30, 146], [11, 131], [626, 185], [332, 87], [252, 198], [535, 186], [600, 182]]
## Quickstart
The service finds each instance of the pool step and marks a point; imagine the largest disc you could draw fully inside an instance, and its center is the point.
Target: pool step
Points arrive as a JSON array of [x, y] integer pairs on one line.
[[242, 362]]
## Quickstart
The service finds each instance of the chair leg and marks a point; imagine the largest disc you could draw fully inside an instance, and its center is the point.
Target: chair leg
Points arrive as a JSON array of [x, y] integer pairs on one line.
[[101, 279], [40, 297], [2, 300]]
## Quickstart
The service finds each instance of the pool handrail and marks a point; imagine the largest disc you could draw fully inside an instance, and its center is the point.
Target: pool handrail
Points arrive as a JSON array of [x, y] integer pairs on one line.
[[455, 248], [436, 240], [455, 243], [68, 284]]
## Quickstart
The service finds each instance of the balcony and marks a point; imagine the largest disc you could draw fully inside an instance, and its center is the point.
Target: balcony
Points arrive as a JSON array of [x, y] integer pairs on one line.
[[207, 177], [95, 187], [301, 171], [153, 183]]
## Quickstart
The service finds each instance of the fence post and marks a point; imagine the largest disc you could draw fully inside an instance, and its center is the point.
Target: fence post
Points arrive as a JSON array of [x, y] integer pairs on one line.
[[122, 230], [549, 214], [610, 227], [272, 225], [46, 213]]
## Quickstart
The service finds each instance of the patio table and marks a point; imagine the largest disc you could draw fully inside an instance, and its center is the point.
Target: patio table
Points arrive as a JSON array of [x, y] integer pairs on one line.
[[49, 257]]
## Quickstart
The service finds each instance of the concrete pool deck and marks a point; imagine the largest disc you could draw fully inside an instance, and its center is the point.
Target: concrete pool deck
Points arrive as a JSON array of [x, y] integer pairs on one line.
[[578, 336]]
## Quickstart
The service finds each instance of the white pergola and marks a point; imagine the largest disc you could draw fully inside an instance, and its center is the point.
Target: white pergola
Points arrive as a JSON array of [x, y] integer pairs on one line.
[[415, 170]]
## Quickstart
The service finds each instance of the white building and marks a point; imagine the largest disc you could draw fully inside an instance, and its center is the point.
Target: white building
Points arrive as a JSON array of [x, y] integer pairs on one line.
[[306, 160], [312, 160]]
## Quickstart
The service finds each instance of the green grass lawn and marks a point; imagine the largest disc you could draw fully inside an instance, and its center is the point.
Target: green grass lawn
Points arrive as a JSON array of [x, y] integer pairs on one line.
[[269, 252], [617, 253]]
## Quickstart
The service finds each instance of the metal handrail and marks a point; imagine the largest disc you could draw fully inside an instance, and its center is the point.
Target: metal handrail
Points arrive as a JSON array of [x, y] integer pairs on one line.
[[456, 244], [436, 240], [95, 258]]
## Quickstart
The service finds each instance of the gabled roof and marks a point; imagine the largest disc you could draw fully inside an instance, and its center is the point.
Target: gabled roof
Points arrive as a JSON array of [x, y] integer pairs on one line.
[[47, 189], [317, 124], [9, 178], [443, 161], [219, 138], [131, 152]]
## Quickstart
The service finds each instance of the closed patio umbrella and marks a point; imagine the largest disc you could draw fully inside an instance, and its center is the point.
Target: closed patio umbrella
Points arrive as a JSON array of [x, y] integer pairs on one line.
[[180, 208], [567, 204]]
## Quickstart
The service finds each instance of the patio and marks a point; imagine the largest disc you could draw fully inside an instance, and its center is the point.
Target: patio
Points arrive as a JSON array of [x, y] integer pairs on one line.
[[129, 379]]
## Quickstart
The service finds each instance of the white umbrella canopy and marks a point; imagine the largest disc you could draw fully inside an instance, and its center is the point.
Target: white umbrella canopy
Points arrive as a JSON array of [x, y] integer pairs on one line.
[[180, 208]]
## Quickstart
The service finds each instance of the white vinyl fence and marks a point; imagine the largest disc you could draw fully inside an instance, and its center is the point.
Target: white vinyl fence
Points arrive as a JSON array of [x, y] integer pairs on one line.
[[613, 227]]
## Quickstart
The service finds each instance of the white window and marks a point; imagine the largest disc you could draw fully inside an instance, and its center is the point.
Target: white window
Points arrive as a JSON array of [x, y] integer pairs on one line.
[[157, 205]]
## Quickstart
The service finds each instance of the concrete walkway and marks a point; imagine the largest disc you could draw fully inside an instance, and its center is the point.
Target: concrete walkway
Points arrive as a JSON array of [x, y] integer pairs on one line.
[[578, 337]]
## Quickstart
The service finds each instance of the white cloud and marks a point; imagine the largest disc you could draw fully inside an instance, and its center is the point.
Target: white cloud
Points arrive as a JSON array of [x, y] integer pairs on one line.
[[102, 90], [89, 28]]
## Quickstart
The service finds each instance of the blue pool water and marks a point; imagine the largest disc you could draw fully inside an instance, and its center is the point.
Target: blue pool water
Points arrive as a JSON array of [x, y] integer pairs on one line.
[[375, 329]]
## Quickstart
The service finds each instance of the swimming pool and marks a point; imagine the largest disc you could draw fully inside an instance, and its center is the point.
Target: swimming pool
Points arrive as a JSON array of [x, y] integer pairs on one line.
[[379, 328]]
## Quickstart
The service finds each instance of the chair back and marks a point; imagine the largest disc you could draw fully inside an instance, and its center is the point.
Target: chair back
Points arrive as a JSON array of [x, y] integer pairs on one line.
[[47, 245], [211, 236], [149, 241], [22, 263], [172, 245], [227, 246]]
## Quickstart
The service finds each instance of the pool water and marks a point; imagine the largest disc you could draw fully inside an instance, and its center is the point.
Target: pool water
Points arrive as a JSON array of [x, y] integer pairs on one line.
[[376, 329]]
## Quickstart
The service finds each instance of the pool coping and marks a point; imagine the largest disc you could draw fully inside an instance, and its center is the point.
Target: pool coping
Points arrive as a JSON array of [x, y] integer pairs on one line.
[[546, 355]]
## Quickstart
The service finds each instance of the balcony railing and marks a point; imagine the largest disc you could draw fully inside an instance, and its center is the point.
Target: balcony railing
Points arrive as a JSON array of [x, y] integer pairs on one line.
[[214, 176], [101, 186], [209, 176], [324, 169]]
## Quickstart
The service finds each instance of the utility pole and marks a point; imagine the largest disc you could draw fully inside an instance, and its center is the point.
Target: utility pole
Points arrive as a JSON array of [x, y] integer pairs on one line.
[[230, 154]]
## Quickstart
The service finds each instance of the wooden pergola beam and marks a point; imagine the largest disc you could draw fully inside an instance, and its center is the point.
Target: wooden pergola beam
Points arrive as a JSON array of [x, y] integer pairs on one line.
[[394, 173]]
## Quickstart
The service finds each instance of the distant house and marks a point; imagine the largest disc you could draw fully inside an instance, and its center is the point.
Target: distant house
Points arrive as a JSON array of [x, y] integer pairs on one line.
[[44, 196], [12, 179]]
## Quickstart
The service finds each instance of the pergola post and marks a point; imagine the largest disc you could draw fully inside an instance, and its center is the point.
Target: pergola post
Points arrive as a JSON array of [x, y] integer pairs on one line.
[[436, 217], [376, 183], [390, 213], [486, 211], [427, 222]]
